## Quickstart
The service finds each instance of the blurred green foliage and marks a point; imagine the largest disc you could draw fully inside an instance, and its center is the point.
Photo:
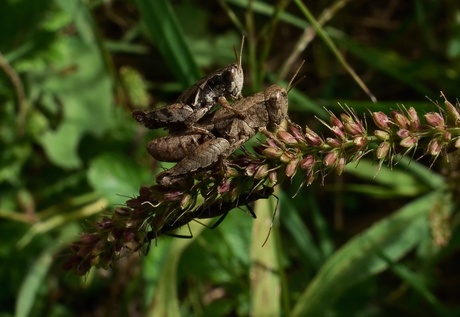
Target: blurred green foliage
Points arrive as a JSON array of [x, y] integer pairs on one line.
[[356, 245]]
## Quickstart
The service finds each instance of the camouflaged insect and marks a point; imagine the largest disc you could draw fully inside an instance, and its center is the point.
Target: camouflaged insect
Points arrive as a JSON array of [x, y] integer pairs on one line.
[[197, 100]]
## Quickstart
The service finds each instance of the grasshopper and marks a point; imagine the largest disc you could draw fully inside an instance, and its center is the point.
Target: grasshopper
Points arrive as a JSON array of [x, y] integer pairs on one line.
[[197, 100], [264, 112], [228, 130]]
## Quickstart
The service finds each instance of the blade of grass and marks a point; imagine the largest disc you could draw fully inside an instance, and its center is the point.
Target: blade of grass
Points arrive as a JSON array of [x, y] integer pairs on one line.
[[416, 282], [162, 24], [388, 62], [300, 234], [309, 34], [261, 7], [35, 278], [396, 180], [166, 301], [60, 219], [325, 37], [357, 259], [265, 280]]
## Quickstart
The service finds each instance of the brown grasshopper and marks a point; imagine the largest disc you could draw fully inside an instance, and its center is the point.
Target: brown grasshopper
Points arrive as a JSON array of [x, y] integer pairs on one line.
[[197, 100], [262, 112]]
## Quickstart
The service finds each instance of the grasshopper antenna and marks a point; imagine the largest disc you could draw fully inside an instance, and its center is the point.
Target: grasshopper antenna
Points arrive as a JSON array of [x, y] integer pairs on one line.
[[290, 85], [241, 53]]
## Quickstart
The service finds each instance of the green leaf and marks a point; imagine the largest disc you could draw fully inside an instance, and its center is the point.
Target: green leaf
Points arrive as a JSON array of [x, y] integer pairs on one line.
[[35, 278], [85, 94], [301, 236], [117, 177], [358, 259]]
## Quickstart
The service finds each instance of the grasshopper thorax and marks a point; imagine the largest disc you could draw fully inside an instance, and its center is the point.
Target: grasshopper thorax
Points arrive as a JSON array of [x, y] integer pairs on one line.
[[276, 101], [234, 79]]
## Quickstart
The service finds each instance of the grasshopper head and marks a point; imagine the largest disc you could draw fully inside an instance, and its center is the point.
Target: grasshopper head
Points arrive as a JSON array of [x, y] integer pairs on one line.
[[237, 75], [276, 101], [234, 77]]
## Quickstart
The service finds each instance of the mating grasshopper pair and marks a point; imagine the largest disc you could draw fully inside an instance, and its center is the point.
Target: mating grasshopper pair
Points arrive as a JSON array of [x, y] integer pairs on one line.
[[200, 138]]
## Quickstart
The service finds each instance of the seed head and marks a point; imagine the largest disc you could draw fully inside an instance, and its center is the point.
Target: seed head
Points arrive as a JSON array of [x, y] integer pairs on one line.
[[313, 139], [409, 142], [435, 119], [382, 150], [414, 120], [331, 159], [381, 120], [400, 119], [382, 135], [287, 138], [291, 168], [308, 162], [452, 113], [434, 147]]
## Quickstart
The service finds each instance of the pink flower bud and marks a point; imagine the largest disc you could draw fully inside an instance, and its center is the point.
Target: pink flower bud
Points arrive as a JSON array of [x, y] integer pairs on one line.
[[414, 120], [333, 142], [335, 122], [408, 142], [446, 136], [382, 135], [285, 158], [261, 172], [382, 150], [331, 158], [251, 169], [313, 139], [359, 141], [354, 128], [310, 176], [351, 126], [291, 167], [272, 152], [307, 162], [403, 133], [342, 162], [400, 120], [434, 119], [296, 133], [381, 120], [338, 132], [272, 178], [286, 137], [187, 201], [434, 147], [452, 113]]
